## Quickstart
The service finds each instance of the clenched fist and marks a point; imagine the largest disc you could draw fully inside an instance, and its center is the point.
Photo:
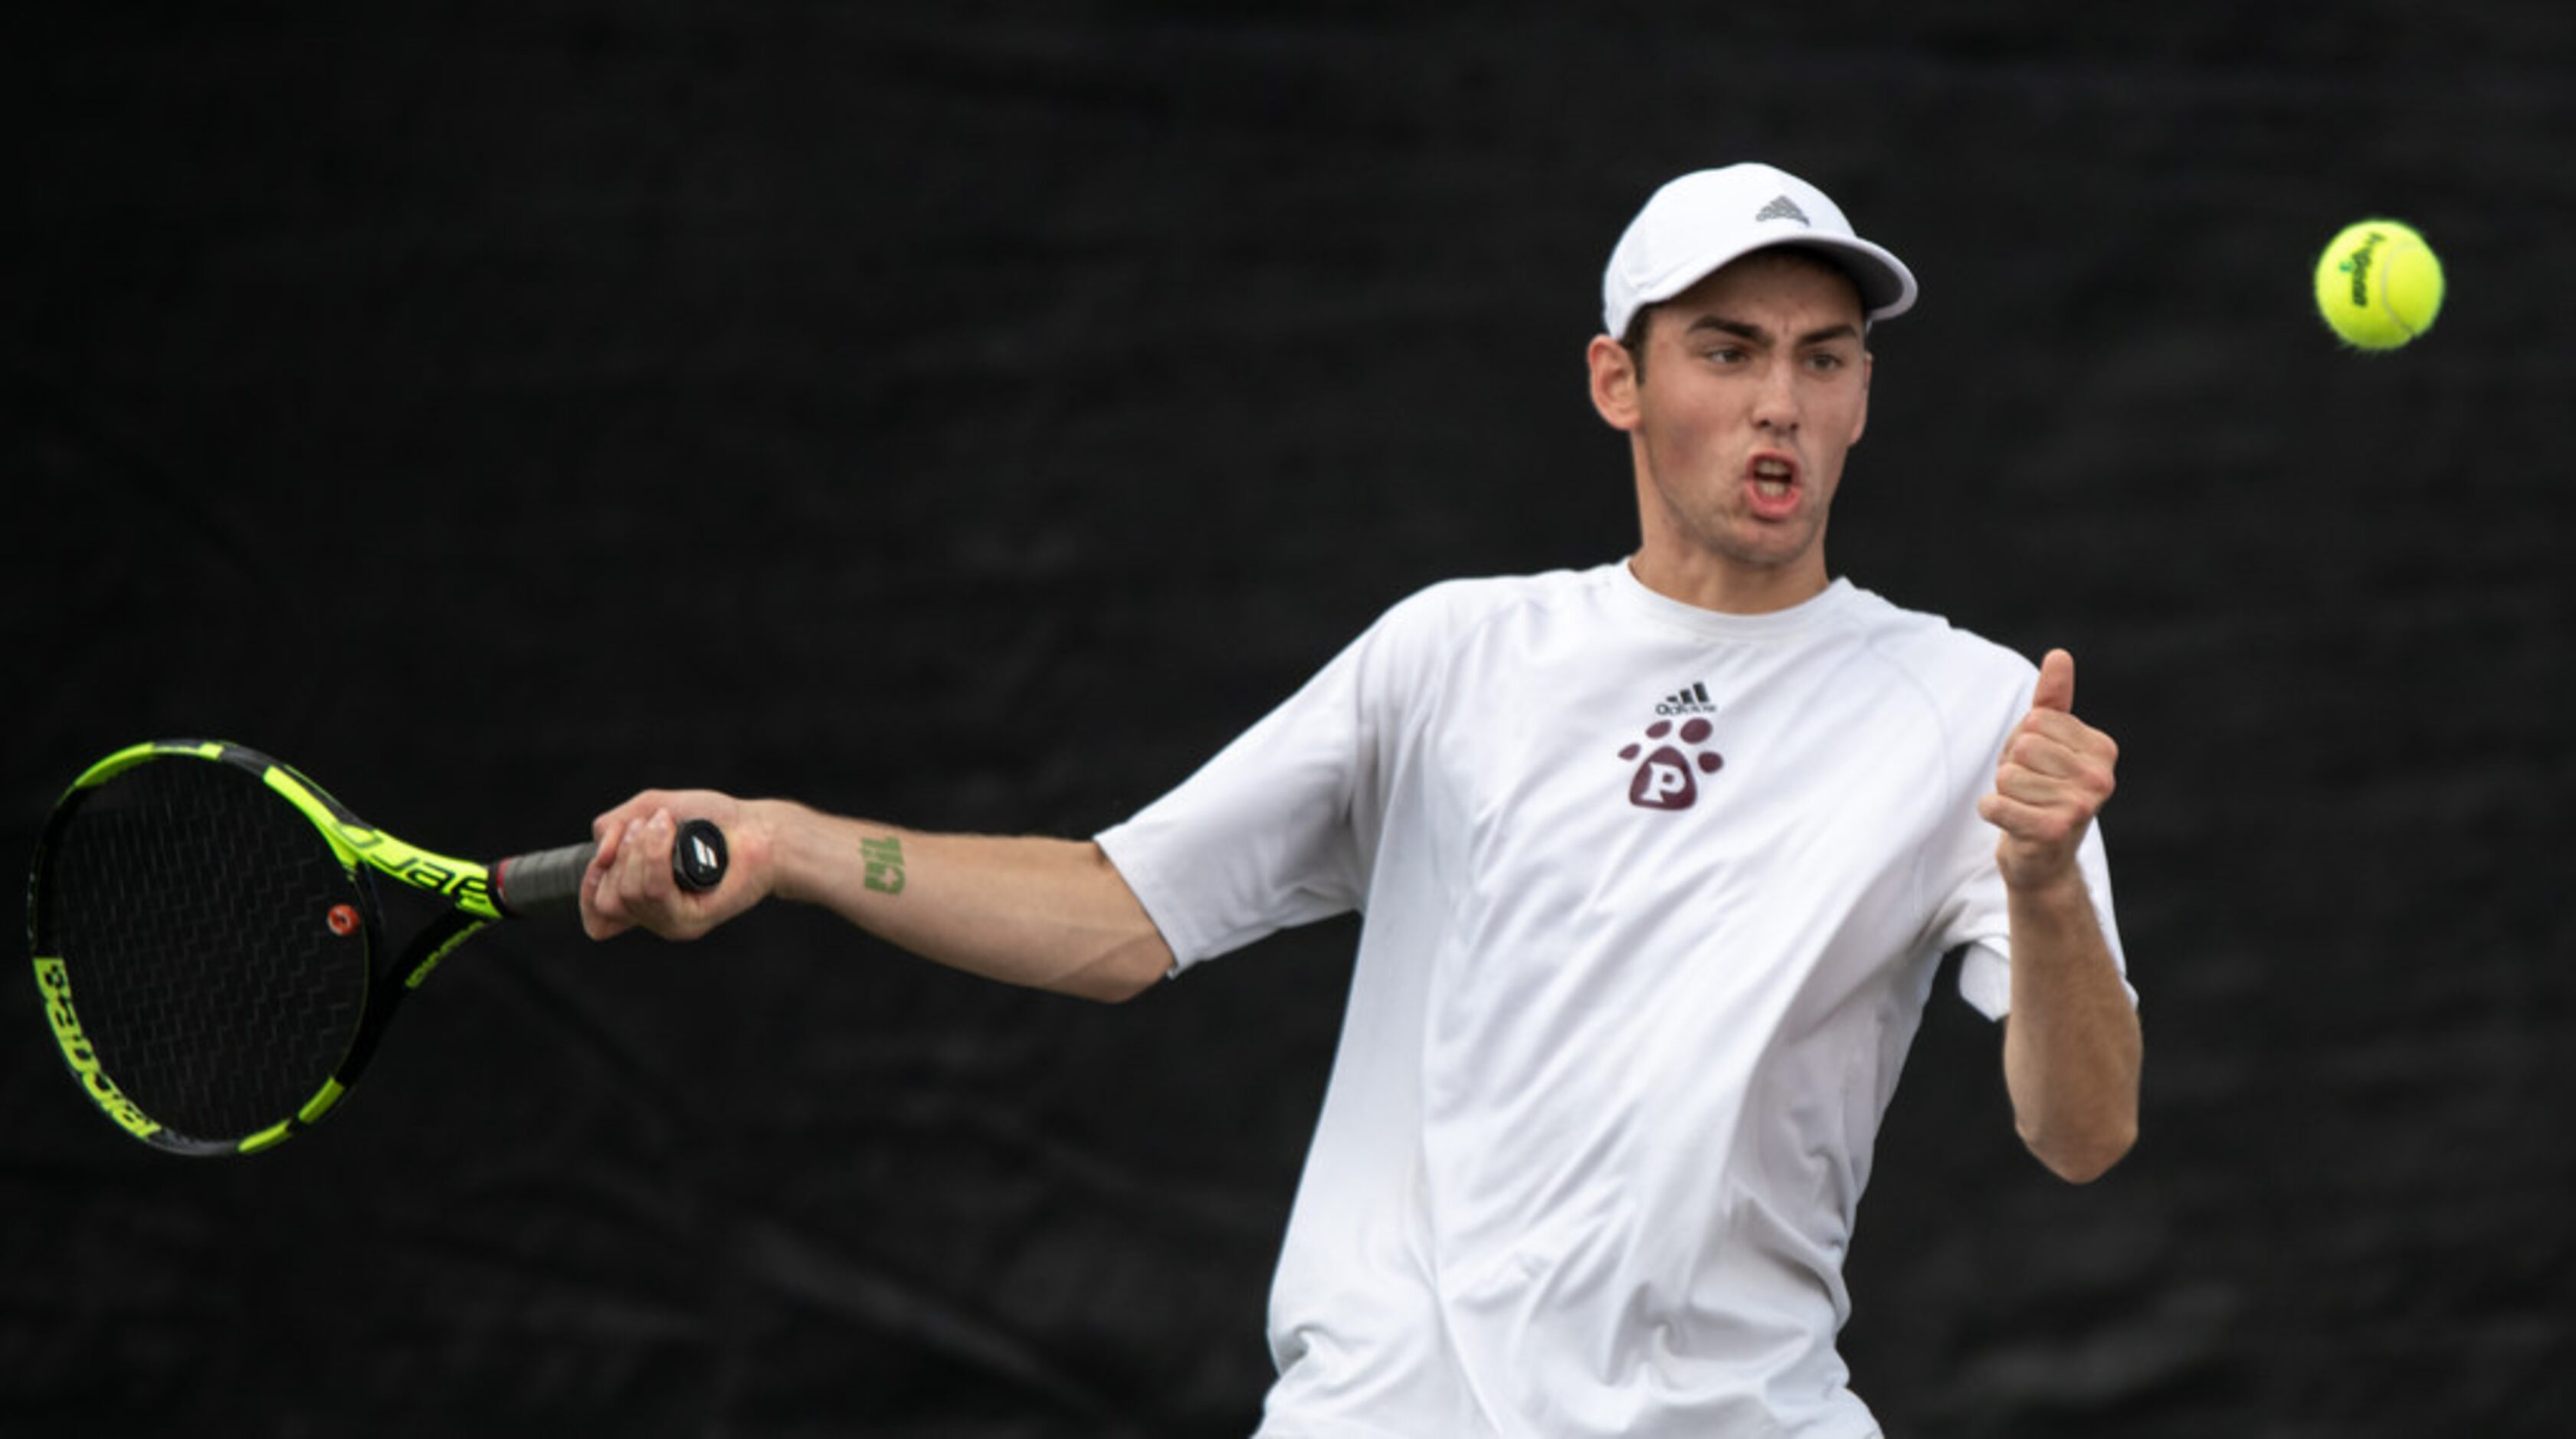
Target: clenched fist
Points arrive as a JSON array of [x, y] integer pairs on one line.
[[2055, 776]]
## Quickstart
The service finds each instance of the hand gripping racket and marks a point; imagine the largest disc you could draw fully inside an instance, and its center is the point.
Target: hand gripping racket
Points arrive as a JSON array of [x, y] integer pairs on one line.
[[210, 936]]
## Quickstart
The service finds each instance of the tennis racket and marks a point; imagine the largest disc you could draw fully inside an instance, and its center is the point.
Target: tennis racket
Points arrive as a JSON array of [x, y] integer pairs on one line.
[[214, 937]]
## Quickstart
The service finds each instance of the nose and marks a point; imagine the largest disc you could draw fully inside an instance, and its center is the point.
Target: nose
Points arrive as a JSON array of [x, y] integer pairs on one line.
[[1775, 403]]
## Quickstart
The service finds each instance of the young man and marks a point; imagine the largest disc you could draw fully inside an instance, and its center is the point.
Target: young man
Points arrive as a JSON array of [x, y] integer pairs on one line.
[[1658, 861]]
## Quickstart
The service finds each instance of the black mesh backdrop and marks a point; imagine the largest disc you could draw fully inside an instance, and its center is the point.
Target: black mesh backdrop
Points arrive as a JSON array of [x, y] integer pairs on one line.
[[974, 415]]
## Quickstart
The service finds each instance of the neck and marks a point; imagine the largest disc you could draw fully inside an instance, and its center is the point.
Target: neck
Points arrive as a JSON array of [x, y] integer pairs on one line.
[[1714, 582]]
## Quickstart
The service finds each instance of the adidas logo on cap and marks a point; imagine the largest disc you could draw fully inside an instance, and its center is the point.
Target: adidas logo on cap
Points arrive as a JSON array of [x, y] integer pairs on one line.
[[1783, 208]]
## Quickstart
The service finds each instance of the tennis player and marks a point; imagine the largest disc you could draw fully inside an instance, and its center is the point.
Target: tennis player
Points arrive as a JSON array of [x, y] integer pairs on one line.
[[1658, 861]]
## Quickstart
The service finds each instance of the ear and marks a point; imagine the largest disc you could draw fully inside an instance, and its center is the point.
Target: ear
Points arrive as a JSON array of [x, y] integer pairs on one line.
[[1860, 422], [1614, 382]]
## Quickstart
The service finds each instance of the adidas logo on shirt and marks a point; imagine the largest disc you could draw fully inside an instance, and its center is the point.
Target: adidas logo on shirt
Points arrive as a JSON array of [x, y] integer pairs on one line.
[[1691, 699]]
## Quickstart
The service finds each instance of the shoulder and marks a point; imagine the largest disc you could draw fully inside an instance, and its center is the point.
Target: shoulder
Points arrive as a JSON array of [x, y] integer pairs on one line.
[[1453, 610], [1961, 674], [1921, 641]]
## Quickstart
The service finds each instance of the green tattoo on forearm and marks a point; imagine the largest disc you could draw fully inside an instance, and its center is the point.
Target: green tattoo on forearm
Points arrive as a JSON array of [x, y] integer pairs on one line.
[[885, 864]]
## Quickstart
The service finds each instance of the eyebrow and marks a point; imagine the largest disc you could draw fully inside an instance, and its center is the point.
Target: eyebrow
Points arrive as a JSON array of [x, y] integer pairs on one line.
[[1742, 330]]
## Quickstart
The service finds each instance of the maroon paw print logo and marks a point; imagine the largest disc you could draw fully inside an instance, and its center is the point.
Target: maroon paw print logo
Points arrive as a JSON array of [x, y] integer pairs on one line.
[[1665, 778]]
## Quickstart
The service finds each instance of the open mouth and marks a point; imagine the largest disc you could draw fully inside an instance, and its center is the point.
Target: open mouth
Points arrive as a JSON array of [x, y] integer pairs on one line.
[[1774, 479]]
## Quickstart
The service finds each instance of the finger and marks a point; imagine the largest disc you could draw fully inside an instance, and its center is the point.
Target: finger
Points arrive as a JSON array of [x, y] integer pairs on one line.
[[635, 858], [2066, 748], [660, 832], [644, 859], [609, 830], [603, 926], [617, 888], [2064, 782], [2017, 816], [2056, 683], [1994, 809], [609, 825], [603, 910], [2024, 785], [2037, 822], [2053, 750]]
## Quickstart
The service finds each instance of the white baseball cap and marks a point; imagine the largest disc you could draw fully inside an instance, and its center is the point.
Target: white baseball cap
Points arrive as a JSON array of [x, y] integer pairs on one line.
[[1707, 218]]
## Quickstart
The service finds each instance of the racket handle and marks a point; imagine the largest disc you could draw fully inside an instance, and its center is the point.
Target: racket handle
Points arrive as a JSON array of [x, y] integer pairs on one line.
[[551, 878]]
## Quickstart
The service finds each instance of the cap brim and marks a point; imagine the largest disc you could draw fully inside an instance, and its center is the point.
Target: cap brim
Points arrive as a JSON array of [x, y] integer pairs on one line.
[[1886, 287]]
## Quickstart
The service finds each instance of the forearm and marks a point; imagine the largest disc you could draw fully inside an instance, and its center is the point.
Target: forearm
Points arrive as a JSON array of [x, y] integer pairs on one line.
[[1047, 913], [2072, 1047]]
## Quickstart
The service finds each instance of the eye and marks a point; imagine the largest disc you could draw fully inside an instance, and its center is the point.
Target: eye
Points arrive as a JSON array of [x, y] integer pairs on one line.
[[1825, 361]]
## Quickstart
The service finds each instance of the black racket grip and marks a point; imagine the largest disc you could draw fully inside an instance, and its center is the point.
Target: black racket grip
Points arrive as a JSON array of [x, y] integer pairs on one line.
[[551, 878]]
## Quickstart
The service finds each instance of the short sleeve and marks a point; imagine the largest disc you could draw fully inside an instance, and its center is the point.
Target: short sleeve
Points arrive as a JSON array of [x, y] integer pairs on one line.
[[1279, 828], [1985, 971], [1970, 907]]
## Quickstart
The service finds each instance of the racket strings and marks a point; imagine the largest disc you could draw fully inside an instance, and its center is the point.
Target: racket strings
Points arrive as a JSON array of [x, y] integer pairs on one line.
[[216, 949]]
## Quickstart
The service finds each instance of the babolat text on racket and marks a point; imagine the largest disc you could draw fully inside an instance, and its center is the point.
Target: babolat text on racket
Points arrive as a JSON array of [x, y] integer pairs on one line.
[[211, 936]]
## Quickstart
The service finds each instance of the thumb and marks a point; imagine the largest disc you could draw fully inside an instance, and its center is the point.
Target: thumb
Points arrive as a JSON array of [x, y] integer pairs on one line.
[[2056, 683]]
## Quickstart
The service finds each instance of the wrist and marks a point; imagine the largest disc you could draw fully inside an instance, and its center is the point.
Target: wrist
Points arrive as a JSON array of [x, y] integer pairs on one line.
[[768, 846], [2054, 883]]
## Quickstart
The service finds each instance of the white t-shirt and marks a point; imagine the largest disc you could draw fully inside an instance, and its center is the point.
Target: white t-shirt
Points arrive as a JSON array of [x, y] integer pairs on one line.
[[1653, 897]]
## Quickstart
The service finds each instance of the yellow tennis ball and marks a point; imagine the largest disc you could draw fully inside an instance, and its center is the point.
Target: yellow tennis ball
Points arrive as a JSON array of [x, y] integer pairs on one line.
[[2379, 285]]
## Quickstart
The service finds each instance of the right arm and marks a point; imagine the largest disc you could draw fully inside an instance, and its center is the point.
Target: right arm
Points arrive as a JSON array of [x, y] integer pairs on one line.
[[1045, 913]]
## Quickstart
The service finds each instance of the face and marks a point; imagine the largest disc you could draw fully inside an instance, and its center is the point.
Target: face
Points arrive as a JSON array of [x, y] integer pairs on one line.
[[1755, 385]]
